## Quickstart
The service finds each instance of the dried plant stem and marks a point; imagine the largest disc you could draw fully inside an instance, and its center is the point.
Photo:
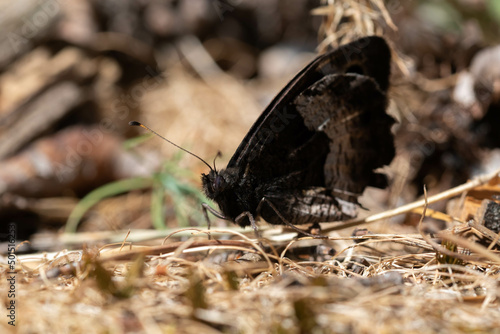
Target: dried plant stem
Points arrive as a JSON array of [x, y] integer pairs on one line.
[[172, 247], [409, 207]]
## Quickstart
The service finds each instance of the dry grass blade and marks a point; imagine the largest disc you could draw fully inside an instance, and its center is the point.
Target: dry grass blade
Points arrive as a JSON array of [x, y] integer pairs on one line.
[[344, 21]]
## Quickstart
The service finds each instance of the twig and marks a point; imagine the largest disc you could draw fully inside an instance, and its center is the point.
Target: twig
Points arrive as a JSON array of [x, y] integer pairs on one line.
[[409, 207], [157, 250]]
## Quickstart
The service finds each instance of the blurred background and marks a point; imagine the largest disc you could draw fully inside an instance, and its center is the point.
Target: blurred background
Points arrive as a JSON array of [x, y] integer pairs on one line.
[[73, 73]]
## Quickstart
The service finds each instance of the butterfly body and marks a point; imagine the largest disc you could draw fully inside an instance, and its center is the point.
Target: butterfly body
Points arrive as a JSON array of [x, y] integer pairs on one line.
[[314, 149]]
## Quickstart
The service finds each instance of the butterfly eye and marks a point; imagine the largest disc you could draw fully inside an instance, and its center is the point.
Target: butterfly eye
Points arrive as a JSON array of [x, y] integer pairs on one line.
[[218, 183]]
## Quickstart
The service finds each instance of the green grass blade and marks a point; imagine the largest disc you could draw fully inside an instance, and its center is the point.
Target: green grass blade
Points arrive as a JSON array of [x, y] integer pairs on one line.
[[108, 190]]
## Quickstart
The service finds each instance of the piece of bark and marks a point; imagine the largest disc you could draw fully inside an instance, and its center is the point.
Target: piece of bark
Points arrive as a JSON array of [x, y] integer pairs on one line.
[[473, 206], [40, 115], [25, 80], [489, 215], [23, 23], [71, 162]]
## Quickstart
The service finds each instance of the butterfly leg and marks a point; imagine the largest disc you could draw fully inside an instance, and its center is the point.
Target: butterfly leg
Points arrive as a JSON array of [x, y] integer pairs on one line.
[[252, 222], [286, 222], [206, 209]]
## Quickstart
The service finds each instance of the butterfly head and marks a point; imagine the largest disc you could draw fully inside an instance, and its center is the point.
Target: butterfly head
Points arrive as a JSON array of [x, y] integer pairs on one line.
[[213, 183]]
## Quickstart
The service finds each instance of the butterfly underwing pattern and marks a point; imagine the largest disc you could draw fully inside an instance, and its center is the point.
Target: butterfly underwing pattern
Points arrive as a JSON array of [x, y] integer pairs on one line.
[[316, 147]]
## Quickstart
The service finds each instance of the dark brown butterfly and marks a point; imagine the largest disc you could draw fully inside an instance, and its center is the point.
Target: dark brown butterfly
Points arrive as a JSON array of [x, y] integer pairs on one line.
[[314, 149], [316, 146]]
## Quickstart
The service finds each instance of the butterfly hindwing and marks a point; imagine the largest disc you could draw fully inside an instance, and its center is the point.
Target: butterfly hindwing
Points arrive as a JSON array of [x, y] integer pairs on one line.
[[350, 110]]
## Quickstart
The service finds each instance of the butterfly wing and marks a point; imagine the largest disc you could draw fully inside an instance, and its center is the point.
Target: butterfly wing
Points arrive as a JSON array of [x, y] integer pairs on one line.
[[280, 130], [350, 110], [289, 156], [351, 137]]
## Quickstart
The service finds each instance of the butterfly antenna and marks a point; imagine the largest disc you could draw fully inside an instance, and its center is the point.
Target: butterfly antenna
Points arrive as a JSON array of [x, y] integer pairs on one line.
[[134, 123], [217, 156]]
